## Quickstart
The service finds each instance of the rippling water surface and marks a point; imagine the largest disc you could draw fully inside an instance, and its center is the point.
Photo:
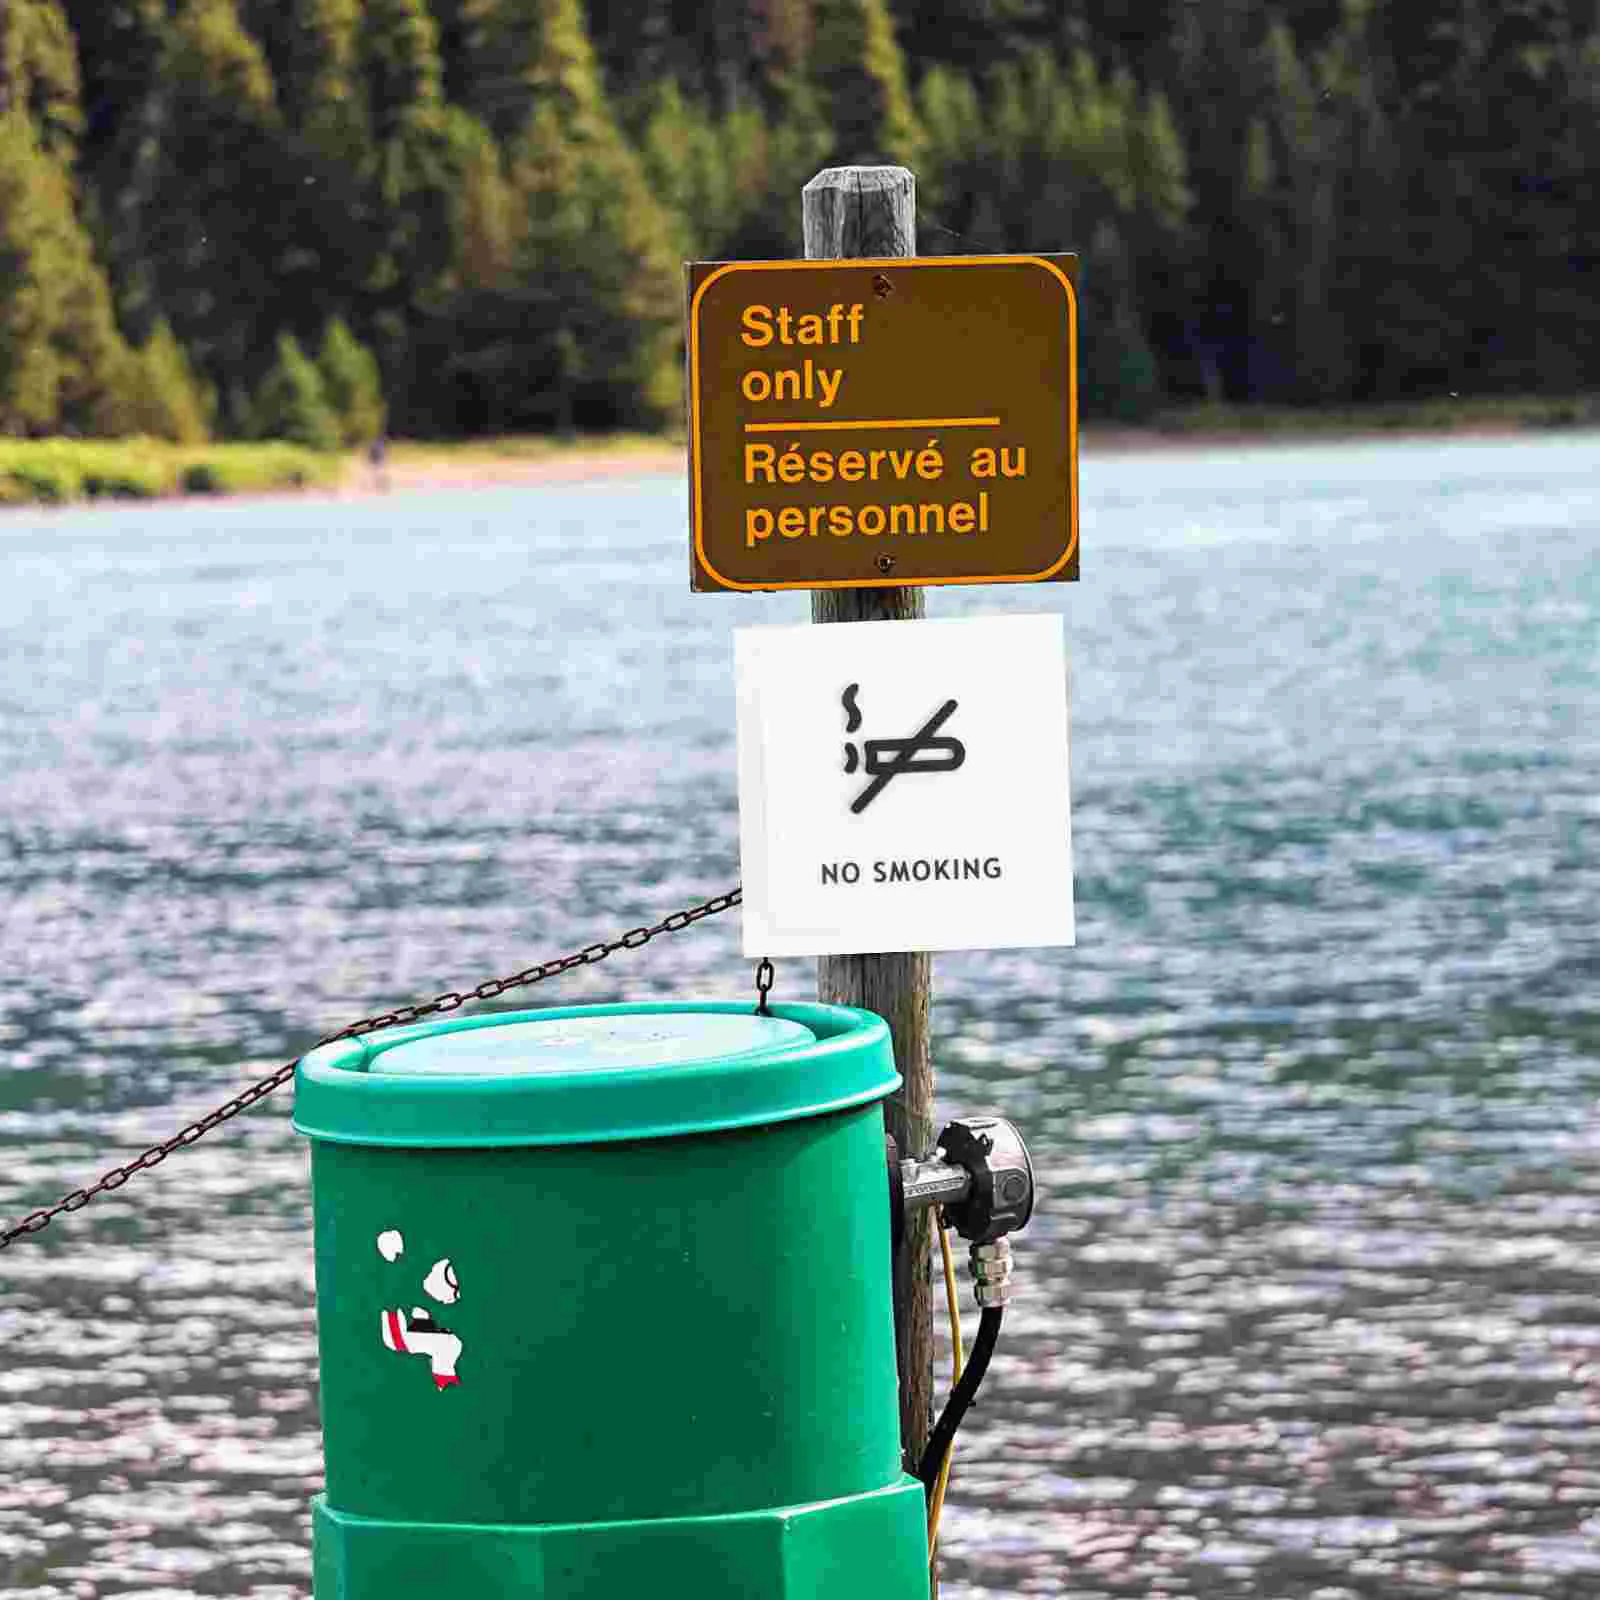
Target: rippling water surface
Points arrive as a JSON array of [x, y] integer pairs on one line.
[[1312, 1302]]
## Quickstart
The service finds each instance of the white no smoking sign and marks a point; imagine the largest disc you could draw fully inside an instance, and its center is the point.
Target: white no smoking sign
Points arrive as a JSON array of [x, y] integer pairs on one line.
[[904, 786]]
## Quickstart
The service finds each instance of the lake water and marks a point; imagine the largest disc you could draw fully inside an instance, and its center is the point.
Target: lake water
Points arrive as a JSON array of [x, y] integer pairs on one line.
[[1311, 1305]]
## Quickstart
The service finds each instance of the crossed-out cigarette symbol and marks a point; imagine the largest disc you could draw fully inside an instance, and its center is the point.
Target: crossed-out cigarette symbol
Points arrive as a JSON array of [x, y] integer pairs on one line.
[[886, 759]]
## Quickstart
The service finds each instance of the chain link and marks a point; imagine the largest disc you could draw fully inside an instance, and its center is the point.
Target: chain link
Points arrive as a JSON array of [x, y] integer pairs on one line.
[[450, 1000], [765, 973]]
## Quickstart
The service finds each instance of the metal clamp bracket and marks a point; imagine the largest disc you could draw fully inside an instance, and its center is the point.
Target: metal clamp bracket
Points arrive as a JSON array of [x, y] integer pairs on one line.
[[980, 1173]]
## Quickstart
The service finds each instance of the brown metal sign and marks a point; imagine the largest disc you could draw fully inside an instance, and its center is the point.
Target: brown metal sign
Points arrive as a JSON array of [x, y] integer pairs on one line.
[[855, 424]]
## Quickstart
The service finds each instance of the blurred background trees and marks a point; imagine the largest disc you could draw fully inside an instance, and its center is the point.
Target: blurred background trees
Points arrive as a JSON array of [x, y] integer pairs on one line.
[[313, 216]]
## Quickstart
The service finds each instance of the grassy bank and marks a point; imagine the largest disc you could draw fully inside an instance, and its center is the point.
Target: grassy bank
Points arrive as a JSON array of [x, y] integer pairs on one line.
[[61, 471], [56, 471], [534, 448]]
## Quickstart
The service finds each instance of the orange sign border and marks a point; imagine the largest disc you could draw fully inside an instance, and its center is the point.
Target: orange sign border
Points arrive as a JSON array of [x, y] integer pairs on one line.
[[899, 263]]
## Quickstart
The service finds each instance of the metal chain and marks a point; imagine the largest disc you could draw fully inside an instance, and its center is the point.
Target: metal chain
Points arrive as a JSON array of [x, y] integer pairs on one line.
[[765, 973], [450, 1000]]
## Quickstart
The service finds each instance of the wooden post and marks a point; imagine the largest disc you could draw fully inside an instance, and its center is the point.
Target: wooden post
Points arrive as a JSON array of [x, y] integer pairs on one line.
[[872, 211]]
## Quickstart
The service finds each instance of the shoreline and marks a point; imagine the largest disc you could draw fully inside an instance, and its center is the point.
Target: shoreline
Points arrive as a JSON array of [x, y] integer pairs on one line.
[[420, 470], [416, 467]]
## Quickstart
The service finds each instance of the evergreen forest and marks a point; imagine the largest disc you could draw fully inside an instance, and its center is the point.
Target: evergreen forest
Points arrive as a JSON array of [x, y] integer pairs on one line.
[[314, 219]]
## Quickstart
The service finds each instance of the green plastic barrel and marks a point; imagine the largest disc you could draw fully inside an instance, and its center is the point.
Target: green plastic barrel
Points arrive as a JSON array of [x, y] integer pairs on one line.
[[603, 1306]]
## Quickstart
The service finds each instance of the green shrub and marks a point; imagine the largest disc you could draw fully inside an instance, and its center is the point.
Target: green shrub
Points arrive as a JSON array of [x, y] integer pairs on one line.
[[50, 482], [256, 468], [128, 480], [165, 399], [53, 471]]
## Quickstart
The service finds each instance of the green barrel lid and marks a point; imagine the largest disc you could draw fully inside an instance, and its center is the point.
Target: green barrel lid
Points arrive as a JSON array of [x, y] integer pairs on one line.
[[592, 1074]]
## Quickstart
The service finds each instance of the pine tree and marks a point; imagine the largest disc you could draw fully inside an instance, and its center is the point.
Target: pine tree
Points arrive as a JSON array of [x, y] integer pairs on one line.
[[63, 363], [1536, 186], [51, 254], [773, 156], [225, 204], [718, 54], [121, 45], [857, 65], [410, 181], [292, 403], [62, 359], [1136, 35], [597, 241], [1422, 312], [398, 52], [209, 44], [781, 33], [685, 164], [1160, 165], [325, 230], [588, 327], [952, 157], [39, 73], [487, 226], [974, 36], [511, 57], [1118, 371], [1215, 89], [165, 399], [30, 307], [1316, 112], [311, 49], [351, 383], [641, 44], [1064, 149]]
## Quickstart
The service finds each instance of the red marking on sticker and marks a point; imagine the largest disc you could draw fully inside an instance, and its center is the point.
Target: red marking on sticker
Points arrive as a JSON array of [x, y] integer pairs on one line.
[[443, 1380], [397, 1332]]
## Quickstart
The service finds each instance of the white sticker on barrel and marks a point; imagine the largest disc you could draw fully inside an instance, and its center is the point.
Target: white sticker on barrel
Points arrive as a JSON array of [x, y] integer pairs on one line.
[[440, 1284], [415, 1332]]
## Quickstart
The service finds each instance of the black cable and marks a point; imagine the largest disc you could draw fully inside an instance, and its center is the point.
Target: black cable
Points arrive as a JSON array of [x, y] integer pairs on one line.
[[961, 1398]]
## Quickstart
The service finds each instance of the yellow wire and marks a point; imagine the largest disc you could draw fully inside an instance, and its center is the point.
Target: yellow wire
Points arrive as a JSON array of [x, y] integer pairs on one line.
[[957, 1357]]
